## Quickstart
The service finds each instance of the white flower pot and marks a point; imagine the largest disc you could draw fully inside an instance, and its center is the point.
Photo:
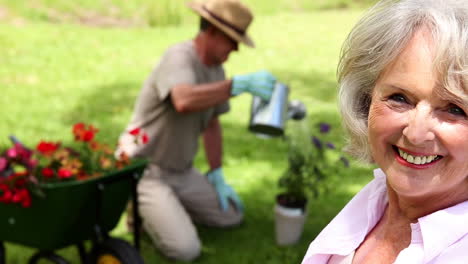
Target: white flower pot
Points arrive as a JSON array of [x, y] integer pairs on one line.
[[289, 223]]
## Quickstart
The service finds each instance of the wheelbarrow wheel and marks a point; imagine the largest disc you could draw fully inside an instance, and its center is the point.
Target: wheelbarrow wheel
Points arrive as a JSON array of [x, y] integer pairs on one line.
[[115, 251], [2, 253], [49, 256]]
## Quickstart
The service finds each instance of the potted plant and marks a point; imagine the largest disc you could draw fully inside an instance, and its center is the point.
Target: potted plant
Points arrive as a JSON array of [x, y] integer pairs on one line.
[[312, 163]]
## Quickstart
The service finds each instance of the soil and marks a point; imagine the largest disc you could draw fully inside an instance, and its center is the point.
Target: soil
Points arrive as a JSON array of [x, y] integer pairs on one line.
[[291, 201]]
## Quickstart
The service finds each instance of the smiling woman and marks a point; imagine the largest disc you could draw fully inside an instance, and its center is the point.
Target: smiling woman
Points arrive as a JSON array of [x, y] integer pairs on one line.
[[412, 122], [404, 99]]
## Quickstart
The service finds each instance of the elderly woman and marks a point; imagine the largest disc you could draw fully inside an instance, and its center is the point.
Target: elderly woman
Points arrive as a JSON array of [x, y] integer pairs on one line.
[[404, 99]]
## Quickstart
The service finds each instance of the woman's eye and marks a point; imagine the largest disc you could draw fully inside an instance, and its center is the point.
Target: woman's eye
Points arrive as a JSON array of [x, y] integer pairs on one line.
[[398, 98], [455, 110]]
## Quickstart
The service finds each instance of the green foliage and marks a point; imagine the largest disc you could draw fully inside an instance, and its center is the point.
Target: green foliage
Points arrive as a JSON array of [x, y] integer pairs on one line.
[[313, 162], [161, 13]]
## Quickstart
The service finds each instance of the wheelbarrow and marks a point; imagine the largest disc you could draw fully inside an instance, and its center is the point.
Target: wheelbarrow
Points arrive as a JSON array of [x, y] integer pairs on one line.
[[74, 212]]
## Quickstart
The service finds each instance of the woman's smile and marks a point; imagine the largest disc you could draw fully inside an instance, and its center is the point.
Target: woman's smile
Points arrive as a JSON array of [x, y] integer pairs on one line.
[[415, 160]]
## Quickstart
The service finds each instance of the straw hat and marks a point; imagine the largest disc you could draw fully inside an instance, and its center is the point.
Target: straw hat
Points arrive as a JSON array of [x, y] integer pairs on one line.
[[230, 16]]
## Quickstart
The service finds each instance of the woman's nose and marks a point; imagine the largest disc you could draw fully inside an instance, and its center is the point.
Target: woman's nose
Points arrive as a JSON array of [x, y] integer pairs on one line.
[[419, 128]]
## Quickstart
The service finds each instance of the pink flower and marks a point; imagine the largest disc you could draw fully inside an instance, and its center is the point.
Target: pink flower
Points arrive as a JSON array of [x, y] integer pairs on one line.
[[3, 163], [12, 153], [23, 153], [31, 163]]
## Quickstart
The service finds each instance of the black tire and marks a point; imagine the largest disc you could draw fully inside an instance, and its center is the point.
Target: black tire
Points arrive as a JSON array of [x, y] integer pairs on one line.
[[2, 253], [117, 249], [49, 256]]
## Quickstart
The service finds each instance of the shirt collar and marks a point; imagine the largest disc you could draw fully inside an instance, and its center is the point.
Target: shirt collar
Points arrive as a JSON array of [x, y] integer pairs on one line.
[[443, 228], [352, 224]]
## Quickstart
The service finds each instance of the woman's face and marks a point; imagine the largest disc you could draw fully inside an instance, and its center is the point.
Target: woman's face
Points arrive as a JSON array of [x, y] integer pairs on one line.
[[418, 136]]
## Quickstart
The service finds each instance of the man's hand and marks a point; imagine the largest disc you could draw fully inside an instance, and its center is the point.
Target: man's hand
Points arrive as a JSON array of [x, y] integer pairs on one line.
[[225, 192], [258, 83]]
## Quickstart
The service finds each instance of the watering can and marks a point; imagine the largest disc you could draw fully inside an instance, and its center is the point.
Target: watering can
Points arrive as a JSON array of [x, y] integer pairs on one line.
[[268, 118]]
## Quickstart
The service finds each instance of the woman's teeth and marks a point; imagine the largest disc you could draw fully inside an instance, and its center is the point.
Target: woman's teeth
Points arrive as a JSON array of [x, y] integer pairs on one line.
[[418, 160]]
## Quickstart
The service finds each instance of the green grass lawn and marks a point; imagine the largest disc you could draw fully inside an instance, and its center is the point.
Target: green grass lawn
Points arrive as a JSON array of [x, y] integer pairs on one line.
[[54, 75]]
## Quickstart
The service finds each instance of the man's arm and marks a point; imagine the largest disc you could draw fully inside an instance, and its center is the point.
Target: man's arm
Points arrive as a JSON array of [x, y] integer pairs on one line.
[[212, 139], [189, 98]]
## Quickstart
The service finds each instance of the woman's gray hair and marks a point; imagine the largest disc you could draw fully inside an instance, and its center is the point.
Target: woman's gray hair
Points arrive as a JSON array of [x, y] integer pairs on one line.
[[380, 36]]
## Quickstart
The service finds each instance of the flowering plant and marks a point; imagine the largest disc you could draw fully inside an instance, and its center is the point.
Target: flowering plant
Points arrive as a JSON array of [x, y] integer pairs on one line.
[[22, 170], [312, 161]]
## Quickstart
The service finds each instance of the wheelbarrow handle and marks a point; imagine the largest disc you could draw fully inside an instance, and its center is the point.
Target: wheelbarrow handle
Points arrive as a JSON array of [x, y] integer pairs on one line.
[[15, 140]]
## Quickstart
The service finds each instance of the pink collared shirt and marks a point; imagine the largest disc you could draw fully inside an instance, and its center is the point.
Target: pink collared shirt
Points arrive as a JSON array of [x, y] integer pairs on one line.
[[437, 238]]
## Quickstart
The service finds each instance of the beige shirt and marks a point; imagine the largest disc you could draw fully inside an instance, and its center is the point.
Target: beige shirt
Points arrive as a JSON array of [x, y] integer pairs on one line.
[[173, 137]]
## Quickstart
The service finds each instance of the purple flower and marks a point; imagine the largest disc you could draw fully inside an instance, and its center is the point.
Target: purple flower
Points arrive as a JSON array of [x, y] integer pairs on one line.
[[324, 128], [317, 142], [330, 145], [345, 161]]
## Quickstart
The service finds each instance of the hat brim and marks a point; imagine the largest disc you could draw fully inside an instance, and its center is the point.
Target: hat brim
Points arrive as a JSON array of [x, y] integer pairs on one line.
[[245, 39]]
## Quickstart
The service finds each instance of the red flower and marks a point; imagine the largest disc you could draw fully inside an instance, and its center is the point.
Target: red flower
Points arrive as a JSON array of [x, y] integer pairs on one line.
[[6, 193], [58, 162], [144, 138], [17, 195], [88, 136], [31, 163], [139, 135], [24, 153], [22, 196], [82, 133], [20, 183], [26, 200], [134, 131], [18, 152], [78, 127], [47, 148], [47, 172], [17, 175], [94, 145], [82, 176], [64, 173]]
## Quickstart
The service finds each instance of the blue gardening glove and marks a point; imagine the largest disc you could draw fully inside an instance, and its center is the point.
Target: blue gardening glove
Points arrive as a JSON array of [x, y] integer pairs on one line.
[[225, 192], [259, 83]]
